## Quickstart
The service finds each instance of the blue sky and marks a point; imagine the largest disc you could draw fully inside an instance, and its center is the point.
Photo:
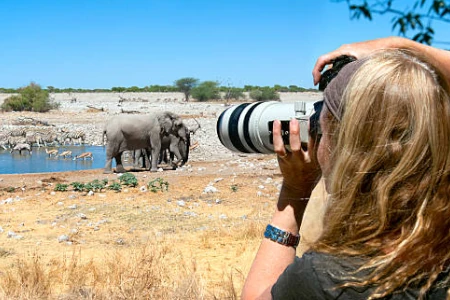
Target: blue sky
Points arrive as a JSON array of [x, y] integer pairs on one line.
[[106, 43]]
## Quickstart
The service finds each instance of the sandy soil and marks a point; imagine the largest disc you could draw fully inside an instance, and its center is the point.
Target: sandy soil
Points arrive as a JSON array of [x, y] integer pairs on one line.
[[218, 193]]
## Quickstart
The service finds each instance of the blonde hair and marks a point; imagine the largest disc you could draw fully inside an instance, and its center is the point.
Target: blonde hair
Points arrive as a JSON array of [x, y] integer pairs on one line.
[[390, 181]]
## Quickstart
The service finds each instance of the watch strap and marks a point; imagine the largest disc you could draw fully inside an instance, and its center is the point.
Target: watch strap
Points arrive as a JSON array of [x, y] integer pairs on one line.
[[281, 237]]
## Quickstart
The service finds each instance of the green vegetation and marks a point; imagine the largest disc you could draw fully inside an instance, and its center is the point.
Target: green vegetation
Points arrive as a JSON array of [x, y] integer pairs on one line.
[[29, 98], [264, 94], [115, 186], [232, 93], [158, 184], [94, 186], [234, 188], [185, 85], [207, 90], [61, 187], [128, 179], [417, 17], [77, 186], [229, 92]]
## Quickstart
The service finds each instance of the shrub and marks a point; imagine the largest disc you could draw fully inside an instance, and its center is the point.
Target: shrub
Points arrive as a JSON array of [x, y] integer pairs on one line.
[[30, 98], [78, 186], [234, 93], [128, 179], [15, 103], [115, 186], [264, 94], [208, 90], [61, 187], [158, 184], [94, 186]]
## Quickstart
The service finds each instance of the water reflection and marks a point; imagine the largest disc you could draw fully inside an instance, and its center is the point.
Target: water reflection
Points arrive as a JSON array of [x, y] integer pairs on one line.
[[39, 161]]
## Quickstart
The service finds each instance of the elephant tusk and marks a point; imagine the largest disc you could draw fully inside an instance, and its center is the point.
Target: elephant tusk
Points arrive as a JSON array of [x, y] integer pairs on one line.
[[193, 146]]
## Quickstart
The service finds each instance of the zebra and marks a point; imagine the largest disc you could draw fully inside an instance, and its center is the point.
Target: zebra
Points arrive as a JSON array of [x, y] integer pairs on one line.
[[61, 138], [47, 137], [77, 135], [14, 140], [3, 140], [17, 132], [33, 138], [21, 147]]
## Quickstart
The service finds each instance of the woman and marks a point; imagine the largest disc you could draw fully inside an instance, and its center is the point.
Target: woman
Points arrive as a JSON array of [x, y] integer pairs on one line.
[[384, 152]]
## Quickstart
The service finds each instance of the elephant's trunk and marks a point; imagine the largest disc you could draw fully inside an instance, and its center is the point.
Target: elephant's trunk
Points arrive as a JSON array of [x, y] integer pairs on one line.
[[185, 154]]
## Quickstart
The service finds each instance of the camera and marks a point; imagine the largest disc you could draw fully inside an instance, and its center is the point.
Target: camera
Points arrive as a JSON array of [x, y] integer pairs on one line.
[[247, 127]]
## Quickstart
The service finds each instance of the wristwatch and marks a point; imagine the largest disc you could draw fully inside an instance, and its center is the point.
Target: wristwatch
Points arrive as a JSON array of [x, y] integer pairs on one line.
[[281, 237]]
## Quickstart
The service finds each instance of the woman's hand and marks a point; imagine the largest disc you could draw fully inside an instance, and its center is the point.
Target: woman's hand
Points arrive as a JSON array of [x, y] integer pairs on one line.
[[358, 50], [300, 168]]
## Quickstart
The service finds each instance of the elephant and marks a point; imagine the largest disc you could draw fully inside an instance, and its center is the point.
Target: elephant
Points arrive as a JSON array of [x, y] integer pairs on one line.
[[141, 158], [132, 132], [171, 144]]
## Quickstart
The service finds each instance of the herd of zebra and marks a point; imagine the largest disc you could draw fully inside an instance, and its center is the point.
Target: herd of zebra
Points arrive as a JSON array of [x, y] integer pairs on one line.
[[24, 138], [41, 137]]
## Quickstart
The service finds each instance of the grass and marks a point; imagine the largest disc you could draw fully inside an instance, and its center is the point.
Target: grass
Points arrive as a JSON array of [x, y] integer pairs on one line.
[[152, 271], [148, 247]]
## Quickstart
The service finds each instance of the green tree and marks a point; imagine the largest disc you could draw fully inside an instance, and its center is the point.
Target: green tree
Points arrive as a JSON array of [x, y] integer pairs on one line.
[[133, 89], [29, 98], [280, 88], [234, 93], [185, 85], [264, 94], [418, 18], [118, 89], [207, 90]]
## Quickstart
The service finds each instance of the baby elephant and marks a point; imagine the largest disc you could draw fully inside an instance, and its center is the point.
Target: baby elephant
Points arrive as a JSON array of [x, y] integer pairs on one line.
[[21, 147]]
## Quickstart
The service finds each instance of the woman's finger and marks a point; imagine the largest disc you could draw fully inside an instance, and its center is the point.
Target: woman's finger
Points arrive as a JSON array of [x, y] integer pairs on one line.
[[294, 135], [278, 144]]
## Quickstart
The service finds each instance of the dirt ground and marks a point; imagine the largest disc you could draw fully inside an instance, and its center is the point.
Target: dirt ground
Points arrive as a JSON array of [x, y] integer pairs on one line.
[[212, 216], [213, 211]]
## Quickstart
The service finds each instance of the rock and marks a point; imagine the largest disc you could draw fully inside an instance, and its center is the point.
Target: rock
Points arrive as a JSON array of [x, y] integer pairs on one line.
[[82, 216], [210, 189], [63, 238]]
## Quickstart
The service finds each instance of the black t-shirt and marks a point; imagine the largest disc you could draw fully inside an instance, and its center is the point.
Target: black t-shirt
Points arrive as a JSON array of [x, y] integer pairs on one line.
[[317, 275]]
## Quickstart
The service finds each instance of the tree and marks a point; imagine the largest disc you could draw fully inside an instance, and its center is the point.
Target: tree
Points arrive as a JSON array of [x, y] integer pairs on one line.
[[30, 98], [185, 85], [233, 93], [208, 90], [418, 19], [264, 94]]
